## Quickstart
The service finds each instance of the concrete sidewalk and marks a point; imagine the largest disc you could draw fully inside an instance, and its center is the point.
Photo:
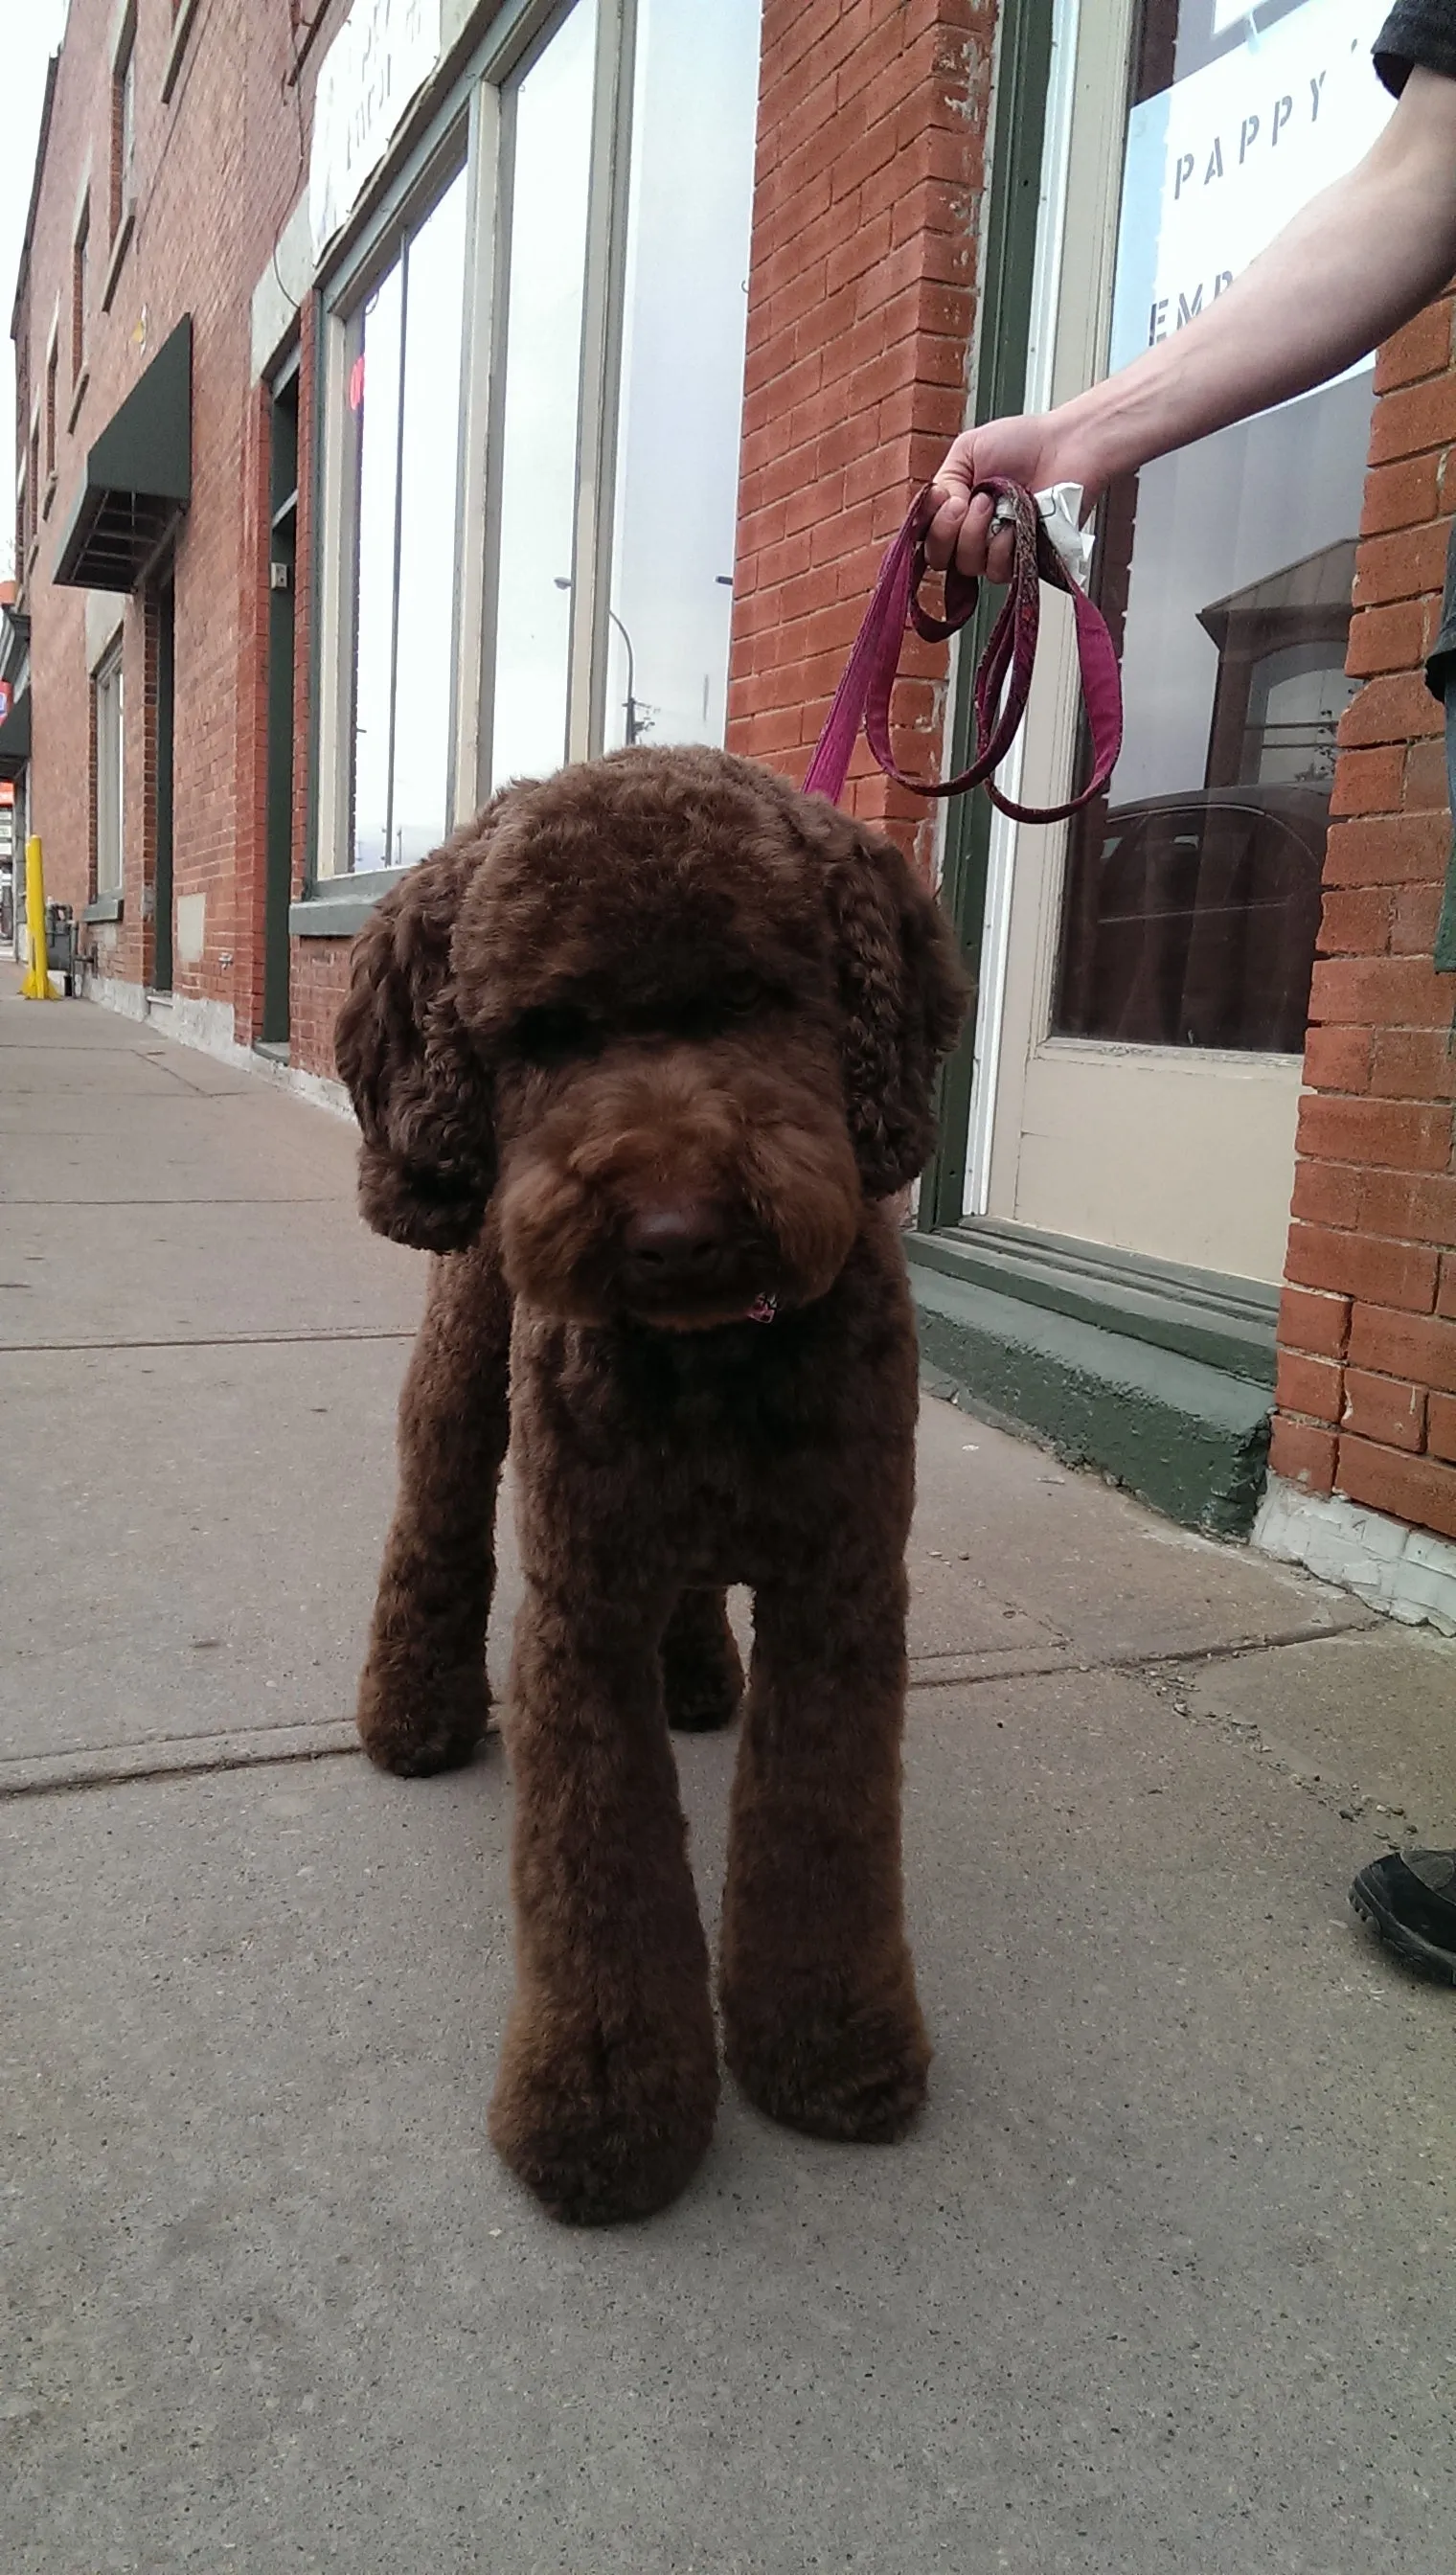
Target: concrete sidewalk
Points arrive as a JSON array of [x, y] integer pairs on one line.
[[1161, 2286]]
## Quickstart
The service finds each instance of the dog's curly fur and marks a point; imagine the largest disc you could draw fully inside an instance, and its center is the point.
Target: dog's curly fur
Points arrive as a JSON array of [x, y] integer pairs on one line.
[[643, 1046]]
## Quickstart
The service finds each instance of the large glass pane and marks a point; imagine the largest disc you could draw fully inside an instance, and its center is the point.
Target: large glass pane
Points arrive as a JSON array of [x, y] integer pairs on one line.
[[691, 202], [551, 161], [429, 459], [373, 396], [1193, 889]]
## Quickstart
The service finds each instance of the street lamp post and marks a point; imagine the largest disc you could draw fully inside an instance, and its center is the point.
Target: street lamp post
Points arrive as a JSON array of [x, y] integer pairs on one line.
[[637, 721]]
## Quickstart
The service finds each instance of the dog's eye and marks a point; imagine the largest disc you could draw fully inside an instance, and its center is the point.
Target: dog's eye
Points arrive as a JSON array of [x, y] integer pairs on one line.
[[739, 995], [556, 1031]]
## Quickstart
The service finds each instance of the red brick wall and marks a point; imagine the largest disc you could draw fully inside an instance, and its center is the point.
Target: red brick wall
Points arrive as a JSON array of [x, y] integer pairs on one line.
[[218, 167], [860, 305], [320, 981], [1367, 1369]]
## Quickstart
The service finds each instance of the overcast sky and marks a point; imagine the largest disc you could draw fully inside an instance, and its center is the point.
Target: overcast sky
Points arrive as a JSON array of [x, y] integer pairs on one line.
[[32, 34]]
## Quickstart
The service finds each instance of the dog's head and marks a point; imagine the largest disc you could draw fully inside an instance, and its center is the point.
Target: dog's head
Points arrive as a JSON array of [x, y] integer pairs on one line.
[[681, 1020]]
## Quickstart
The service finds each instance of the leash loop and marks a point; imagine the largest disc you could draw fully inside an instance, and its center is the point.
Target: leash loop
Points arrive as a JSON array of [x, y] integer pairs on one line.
[[1003, 676]]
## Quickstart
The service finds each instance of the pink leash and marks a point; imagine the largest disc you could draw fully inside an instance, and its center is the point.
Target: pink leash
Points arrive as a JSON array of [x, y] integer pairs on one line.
[[1004, 678]]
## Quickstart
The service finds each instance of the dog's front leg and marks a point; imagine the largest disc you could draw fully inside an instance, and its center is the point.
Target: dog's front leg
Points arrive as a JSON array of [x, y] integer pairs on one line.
[[822, 2025], [608, 2086], [423, 1694]]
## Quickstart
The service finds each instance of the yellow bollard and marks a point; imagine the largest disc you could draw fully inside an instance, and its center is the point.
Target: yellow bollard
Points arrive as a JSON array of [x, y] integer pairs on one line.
[[36, 981]]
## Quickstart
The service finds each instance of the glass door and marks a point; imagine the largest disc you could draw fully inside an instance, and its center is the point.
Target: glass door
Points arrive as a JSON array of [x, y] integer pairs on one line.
[[1147, 972]]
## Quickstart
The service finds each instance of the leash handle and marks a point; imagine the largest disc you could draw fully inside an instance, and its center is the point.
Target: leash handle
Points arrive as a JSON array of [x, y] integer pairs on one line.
[[1003, 678]]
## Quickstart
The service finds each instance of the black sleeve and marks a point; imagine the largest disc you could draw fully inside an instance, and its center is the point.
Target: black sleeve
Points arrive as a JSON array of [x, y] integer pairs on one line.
[[1416, 31]]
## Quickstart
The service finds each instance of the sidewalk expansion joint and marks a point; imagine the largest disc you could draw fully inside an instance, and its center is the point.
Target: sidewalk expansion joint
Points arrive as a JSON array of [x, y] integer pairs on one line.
[[963, 1671], [207, 1341], [255, 1747], [1169, 1680], [319, 1197], [188, 1757]]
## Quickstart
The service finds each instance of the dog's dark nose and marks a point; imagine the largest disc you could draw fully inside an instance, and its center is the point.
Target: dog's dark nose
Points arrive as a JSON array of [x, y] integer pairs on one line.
[[673, 1242]]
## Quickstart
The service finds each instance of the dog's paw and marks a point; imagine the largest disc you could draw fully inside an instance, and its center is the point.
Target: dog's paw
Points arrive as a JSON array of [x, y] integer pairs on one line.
[[856, 2071], [414, 1723], [603, 2131]]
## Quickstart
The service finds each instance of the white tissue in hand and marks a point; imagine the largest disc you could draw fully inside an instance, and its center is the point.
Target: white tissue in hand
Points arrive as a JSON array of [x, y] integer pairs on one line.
[[1061, 510]]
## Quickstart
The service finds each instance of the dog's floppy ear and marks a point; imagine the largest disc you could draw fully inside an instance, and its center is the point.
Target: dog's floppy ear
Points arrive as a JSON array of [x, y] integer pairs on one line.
[[903, 993], [421, 1092]]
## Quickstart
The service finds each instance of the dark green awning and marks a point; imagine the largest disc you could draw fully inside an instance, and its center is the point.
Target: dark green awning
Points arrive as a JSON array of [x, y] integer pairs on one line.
[[14, 643], [15, 736], [138, 478]]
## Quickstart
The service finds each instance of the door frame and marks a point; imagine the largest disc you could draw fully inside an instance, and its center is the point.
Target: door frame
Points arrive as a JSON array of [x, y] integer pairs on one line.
[[164, 600], [1003, 882], [283, 502]]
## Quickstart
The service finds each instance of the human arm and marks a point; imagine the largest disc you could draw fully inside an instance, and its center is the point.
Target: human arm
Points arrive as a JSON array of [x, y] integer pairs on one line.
[[1356, 263]]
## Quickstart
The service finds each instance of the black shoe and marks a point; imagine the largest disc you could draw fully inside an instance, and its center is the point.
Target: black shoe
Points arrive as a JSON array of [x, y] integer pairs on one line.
[[1409, 1897]]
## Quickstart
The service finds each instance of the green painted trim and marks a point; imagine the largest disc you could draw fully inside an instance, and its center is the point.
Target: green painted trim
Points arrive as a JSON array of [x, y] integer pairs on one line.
[[339, 906], [1190, 1439], [1229, 1324], [1022, 73], [1444, 955]]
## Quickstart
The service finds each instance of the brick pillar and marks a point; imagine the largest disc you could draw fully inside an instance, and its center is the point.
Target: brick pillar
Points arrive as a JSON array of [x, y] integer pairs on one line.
[[871, 118], [1367, 1363]]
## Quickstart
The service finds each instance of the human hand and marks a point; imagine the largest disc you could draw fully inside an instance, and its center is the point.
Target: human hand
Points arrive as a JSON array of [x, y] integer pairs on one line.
[[1035, 451]]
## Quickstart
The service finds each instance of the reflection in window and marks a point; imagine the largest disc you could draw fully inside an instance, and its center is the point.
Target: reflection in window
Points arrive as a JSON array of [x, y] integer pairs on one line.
[[552, 115], [690, 204], [402, 374], [1192, 890]]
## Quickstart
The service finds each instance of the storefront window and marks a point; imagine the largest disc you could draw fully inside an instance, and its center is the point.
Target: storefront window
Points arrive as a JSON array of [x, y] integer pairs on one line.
[[551, 168], [533, 400], [1193, 891], [685, 309], [403, 358]]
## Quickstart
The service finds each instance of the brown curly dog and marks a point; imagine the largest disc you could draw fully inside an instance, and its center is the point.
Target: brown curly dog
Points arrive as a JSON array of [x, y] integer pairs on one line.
[[641, 1053]]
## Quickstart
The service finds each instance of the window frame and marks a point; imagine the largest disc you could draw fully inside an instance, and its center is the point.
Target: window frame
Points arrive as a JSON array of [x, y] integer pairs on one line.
[[109, 671], [470, 118], [470, 126], [336, 547], [35, 492], [50, 406], [122, 159], [80, 270]]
